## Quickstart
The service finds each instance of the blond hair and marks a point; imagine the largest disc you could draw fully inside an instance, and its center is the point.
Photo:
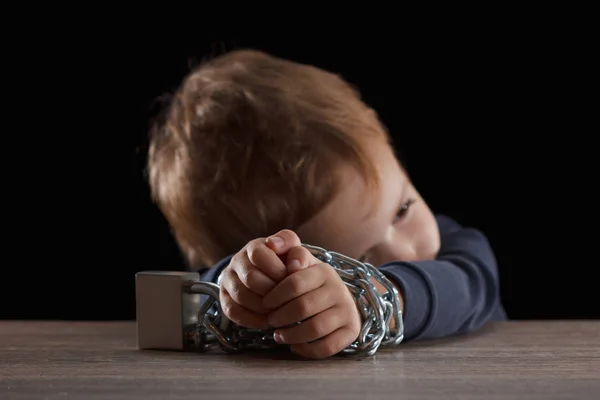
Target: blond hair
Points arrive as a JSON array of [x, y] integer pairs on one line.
[[249, 146]]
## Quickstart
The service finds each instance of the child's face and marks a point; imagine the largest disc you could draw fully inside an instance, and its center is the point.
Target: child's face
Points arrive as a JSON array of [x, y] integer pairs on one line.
[[400, 228]]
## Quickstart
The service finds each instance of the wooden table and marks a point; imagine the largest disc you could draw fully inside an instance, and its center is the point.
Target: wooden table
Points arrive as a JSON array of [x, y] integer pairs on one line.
[[512, 360]]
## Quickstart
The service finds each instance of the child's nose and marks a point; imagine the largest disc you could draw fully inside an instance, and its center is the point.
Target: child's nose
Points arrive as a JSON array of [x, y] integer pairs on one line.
[[392, 250]]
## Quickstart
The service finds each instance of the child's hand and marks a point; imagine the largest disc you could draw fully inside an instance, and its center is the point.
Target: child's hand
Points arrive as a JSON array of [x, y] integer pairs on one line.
[[314, 294], [253, 272]]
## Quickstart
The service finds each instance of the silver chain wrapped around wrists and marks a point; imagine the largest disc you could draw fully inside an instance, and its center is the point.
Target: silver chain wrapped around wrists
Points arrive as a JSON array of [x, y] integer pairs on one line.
[[377, 310]]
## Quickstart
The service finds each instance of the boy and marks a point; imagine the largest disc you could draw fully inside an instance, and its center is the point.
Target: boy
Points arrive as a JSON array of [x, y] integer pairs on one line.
[[258, 155]]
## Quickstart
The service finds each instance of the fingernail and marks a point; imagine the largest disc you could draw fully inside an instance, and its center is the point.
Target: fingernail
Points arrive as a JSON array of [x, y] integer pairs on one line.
[[276, 240], [277, 337], [294, 264]]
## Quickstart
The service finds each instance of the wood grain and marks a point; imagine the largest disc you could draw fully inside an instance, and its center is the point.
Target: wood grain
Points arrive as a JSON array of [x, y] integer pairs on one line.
[[96, 360]]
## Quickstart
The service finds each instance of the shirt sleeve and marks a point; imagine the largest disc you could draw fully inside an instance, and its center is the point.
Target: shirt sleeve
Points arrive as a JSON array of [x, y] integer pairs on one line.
[[456, 293], [212, 274]]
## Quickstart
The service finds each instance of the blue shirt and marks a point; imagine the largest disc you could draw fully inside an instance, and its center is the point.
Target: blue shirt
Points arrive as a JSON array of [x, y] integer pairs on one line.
[[456, 293]]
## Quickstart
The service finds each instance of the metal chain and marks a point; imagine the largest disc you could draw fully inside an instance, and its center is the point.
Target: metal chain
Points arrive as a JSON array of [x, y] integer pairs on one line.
[[215, 329]]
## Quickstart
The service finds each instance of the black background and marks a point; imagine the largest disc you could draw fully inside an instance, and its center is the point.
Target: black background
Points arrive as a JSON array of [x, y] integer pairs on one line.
[[478, 119]]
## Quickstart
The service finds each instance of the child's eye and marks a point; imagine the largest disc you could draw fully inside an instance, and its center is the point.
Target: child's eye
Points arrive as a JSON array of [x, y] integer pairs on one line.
[[404, 209]]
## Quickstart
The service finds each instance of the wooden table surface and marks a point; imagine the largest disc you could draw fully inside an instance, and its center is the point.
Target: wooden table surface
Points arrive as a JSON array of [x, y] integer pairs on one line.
[[96, 360]]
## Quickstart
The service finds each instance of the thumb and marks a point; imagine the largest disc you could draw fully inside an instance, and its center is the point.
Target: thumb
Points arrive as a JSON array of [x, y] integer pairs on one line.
[[299, 258], [282, 242]]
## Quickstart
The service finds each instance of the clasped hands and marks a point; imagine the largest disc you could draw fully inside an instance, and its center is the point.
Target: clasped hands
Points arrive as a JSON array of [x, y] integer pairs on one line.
[[274, 282]]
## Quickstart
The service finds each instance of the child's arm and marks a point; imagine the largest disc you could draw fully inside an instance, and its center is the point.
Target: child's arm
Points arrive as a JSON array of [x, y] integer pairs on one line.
[[212, 274], [456, 293]]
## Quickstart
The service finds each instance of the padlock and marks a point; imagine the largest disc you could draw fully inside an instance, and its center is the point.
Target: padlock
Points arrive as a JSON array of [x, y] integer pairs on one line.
[[164, 309]]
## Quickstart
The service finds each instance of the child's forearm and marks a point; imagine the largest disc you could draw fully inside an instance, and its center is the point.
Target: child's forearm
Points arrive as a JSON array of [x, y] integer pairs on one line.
[[456, 293]]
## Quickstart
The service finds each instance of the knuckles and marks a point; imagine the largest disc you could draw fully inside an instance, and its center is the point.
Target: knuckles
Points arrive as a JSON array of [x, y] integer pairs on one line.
[[305, 307], [329, 349], [232, 311], [316, 329], [295, 284], [233, 287], [255, 249], [236, 260], [330, 274], [250, 278]]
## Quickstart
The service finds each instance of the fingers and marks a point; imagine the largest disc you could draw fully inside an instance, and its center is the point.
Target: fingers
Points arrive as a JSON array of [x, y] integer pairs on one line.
[[259, 278], [254, 272], [312, 329], [296, 285], [260, 266], [299, 258], [264, 259], [241, 294], [282, 241], [328, 346], [303, 307], [240, 314], [254, 279]]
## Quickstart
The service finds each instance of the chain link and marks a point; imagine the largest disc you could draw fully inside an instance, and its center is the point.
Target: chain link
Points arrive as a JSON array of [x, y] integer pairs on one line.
[[214, 329]]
